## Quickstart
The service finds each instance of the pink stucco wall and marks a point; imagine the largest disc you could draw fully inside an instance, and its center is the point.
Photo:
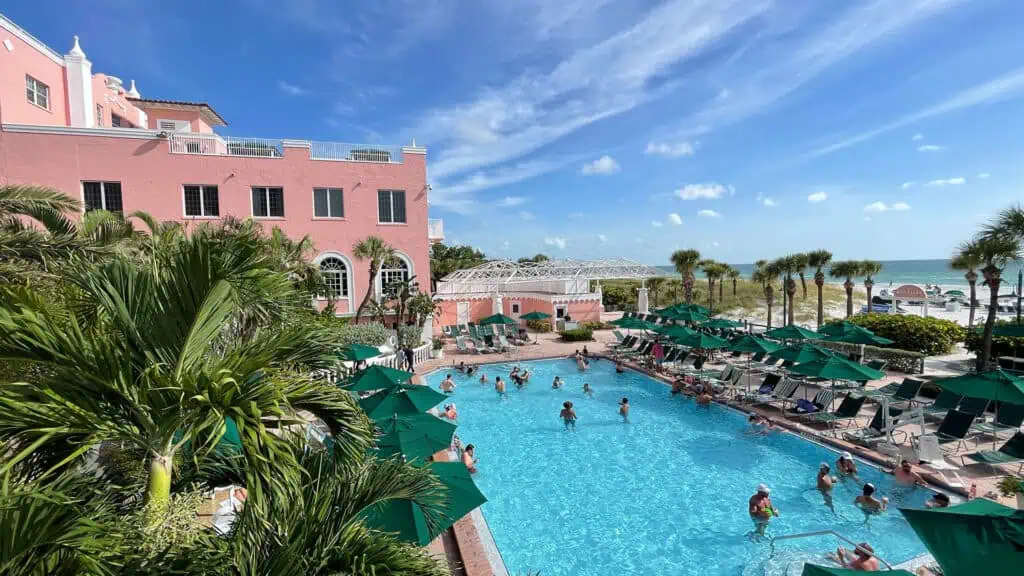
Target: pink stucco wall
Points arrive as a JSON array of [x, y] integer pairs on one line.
[[152, 179], [14, 65], [588, 311], [585, 311], [112, 101], [196, 122]]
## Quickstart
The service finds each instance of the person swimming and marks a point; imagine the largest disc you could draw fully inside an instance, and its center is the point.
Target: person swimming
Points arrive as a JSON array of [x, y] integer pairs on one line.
[[499, 387], [470, 371], [906, 476], [469, 458], [678, 386], [845, 465], [862, 559], [483, 378], [450, 412], [940, 500], [462, 367], [568, 416], [587, 390], [448, 385], [624, 409], [761, 509], [867, 501], [557, 383]]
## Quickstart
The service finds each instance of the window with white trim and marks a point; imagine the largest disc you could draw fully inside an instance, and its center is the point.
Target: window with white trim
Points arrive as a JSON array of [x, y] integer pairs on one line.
[[515, 307], [102, 196], [37, 92], [328, 203], [391, 206], [335, 275], [392, 274], [267, 202], [203, 201]]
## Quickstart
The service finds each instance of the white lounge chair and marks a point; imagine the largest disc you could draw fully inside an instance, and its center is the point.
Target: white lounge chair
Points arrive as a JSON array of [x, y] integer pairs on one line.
[[932, 458]]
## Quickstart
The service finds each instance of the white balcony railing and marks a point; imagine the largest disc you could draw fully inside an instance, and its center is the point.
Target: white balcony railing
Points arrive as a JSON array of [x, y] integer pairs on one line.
[[338, 151], [216, 145], [435, 230]]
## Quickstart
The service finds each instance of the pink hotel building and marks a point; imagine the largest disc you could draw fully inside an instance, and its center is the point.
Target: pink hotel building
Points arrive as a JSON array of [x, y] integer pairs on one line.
[[63, 126]]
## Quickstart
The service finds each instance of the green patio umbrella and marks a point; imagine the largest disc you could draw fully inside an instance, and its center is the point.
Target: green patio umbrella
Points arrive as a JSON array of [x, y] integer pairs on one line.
[[683, 307], [995, 385], [401, 400], [535, 316], [837, 368], [408, 521], [833, 328], [800, 353], [703, 341], [673, 330], [751, 344], [978, 537], [721, 324], [859, 336], [691, 316], [498, 319], [633, 324], [358, 352], [415, 436], [1008, 330], [815, 570], [377, 378], [955, 293], [792, 332]]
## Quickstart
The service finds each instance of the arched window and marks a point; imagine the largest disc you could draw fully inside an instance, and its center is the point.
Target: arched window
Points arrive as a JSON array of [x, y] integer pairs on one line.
[[335, 274], [392, 274]]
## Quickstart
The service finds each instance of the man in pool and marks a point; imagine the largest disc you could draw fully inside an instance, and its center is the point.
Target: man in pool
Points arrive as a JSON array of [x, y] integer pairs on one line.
[[861, 559], [678, 386], [469, 458], [587, 390], [483, 378], [846, 466], [940, 500], [462, 367], [624, 409], [761, 509], [470, 371], [907, 476], [867, 501], [448, 385], [499, 387], [618, 367], [556, 383], [568, 416], [825, 481]]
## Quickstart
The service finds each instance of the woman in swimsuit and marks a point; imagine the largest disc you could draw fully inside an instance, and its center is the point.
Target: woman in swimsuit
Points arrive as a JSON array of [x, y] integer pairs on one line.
[[568, 416]]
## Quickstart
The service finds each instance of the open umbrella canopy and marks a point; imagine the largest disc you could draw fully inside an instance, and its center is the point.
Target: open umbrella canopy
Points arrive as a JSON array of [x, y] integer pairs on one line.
[[837, 368], [498, 319], [633, 324], [408, 521], [416, 436], [800, 353], [978, 537], [858, 336], [692, 316], [752, 344], [989, 385], [1007, 330], [815, 570], [376, 378], [843, 327], [535, 316], [673, 330], [955, 293], [358, 352], [683, 307], [721, 324], [792, 332], [401, 400], [703, 341]]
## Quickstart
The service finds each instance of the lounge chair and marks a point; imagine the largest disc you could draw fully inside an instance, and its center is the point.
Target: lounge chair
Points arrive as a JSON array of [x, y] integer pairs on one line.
[[875, 431], [945, 402], [765, 389], [1012, 452], [878, 364], [848, 411], [974, 406], [932, 459], [503, 341], [735, 354], [447, 331], [618, 336], [627, 342], [955, 427], [1009, 417], [907, 392], [757, 357], [481, 346], [819, 404], [460, 344], [782, 392]]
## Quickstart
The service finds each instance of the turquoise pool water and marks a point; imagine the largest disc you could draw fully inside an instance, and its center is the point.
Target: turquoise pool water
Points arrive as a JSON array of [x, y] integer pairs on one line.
[[663, 495]]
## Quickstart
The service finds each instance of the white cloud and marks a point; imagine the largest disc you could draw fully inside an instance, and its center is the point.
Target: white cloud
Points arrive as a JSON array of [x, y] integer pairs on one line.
[[909, 184], [602, 238], [900, 207], [291, 89], [983, 175], [768, 202], [697, 191], [555, 241], [929, 148], [504, 245], [817, 197], [675, 219], [526, 215], [511, 201], [657, 223], [714, 243], [603, 165], [918, 136], [867, 218], [706, 213], [947, 182], [458, 197], [670, 150], [576, 215], [876, 207]]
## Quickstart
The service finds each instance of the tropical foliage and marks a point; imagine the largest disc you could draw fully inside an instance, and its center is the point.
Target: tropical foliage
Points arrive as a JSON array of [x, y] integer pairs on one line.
[[447, 259], [686, 262], [929, 336], [578, 335], [376, 252], [848, 270]]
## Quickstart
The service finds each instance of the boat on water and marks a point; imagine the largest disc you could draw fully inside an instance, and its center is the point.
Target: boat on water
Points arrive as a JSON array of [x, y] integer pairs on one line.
[[934, 294]]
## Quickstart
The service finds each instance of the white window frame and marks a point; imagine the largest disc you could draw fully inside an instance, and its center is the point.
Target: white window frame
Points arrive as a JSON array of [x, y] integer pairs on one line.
[[379, 288], [391, 195], [515, 308], [266, 192], [329, 217], [103, 194], [350, 281], [38, 88], [202, 202], [344, 284], [565, 311]]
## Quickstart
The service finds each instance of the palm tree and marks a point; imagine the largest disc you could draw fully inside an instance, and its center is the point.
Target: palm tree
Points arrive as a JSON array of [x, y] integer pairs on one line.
[[654, 286], [869, 268], [734, 275], [377, 251], [967, 258], [818, 259], [994, 249], [48, 206], [149, 360], [766, 273], [708, 266], [788, 266], [848, 269], [686, 261], [800, 263]]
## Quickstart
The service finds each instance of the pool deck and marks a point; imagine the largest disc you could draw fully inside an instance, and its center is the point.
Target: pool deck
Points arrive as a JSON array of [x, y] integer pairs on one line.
[[474, 553]]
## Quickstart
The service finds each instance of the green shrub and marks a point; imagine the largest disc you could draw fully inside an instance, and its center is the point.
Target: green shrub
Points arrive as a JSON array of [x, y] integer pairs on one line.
[[595, 326], [1001, 345], [372, 334], [578, 335], [539, 325], [929, 336], [899, 360], [411, 336]]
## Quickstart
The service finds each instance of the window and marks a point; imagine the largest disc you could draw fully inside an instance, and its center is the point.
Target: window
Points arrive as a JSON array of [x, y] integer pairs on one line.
[[102, 196], [391, 206], [327, 203], [335, 274], [118, 122], [99, 115], [392, 274], [37, 92], [202, 201], [515, 307], [267, 202]]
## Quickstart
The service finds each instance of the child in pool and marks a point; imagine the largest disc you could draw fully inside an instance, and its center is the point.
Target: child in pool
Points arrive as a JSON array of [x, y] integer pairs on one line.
[[588, 390], [483, 378], [568, 416], [556, 383], [624, 409]]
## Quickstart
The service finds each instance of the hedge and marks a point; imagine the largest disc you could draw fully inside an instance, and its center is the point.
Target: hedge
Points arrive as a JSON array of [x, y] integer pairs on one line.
[[1001, 345], [539, 325], [578, 335], [929, 336], [372, 334], [899, 360], [595, 326]]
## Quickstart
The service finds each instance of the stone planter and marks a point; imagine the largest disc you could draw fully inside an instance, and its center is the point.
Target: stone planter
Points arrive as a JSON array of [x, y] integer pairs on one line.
[[437, 354]]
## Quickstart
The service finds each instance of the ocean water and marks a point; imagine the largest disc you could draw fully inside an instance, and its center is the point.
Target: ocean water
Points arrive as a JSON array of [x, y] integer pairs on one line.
[[665, 494], [900, 272]]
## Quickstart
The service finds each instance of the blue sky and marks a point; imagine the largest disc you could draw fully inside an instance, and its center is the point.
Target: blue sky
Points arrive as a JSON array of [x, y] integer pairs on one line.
[[587, 128]]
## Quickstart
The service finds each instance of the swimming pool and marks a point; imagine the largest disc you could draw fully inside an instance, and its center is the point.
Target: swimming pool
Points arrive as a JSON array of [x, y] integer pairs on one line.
[[663, 495]]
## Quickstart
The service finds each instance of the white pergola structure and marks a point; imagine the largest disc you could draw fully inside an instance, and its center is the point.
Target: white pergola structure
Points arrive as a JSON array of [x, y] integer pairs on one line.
[[565, 276]]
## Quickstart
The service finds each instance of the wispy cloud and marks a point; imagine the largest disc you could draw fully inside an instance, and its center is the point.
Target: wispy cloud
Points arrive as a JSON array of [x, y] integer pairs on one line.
[[576, 215], [883, 207], [511, 201], [555, 242], [675, 219], [764, 200], [657, 223], [291, 89], [929, 148], [917, 137], [900, 207], [909, 184], [670, 149], [710, 190], [707, 213], [458, 197], [983, 175], [947, 182], [523, 214], [817, 197], [602, 238], [603, 165]]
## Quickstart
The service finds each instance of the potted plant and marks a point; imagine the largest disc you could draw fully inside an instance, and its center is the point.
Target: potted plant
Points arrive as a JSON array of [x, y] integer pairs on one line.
[[1012, 486], [437, 347]]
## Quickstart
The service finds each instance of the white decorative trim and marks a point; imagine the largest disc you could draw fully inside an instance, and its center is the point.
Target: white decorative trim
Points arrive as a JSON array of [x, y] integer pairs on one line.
[[133, 133], [351, 276], [552, 298], [296, 143], [414, 150], [31, 40]]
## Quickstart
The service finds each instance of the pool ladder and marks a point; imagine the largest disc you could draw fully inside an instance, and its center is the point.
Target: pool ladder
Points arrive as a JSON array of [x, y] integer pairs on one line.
[[822, 533]]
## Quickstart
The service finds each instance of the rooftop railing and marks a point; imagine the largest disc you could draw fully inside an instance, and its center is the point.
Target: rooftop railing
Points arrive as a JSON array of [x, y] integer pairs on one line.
[[216, 145], [338, 151]]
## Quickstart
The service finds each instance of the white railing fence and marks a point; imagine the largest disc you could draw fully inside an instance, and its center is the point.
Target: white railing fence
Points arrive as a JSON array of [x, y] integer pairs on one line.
[[391, 360], [339, 151], [215, 145]]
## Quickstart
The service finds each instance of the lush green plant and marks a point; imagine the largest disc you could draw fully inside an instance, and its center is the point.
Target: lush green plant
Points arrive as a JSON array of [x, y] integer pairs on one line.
[[437, 343], [577, 335], [420, 307], [377, 251], [1001, 345], [1010, 486], [371, 334], [618, 297], [595, 326], [899, 360], [447, 259], [539, 325], [411, 336], [929, 336]]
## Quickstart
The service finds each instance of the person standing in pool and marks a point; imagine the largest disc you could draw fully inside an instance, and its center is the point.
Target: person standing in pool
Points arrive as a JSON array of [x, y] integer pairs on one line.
[[862, 559], [867, 501], [825, 483], [846, 466], [906, 476], [568, 416], [624, 409], [761, 509], [940, 500], [499, 387], [556, 383], [469, 458], [470, 371], [587, 390], [483, 378], [448, 385]]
